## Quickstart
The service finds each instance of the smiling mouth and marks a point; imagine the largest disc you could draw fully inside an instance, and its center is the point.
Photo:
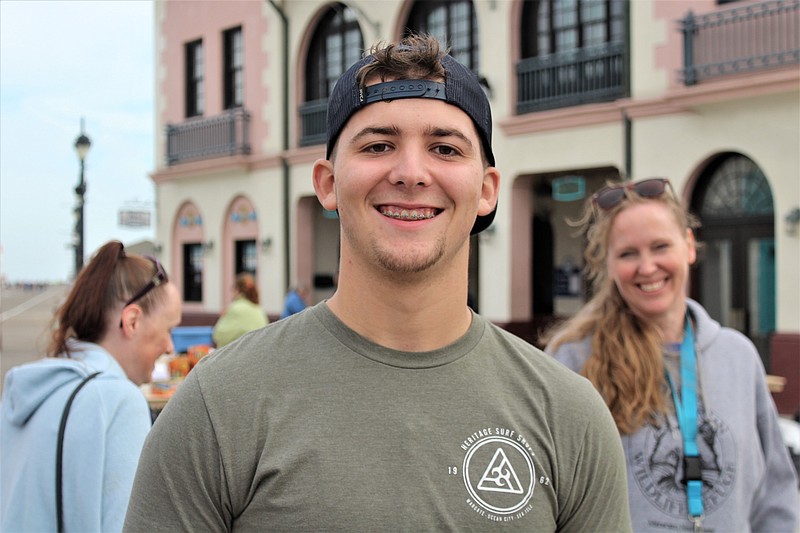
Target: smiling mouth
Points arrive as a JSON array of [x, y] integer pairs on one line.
[[399, 213], [652, 287]]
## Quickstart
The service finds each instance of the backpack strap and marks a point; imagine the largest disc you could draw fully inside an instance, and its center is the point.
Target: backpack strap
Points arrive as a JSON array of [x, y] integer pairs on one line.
[[60, 450]]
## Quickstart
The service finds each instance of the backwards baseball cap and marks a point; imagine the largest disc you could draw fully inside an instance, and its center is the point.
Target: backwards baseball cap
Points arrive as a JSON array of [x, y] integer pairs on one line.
[[460, 88]]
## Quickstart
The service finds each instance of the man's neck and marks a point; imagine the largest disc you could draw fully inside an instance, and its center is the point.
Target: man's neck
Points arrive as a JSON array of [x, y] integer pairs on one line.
[[406, 313]]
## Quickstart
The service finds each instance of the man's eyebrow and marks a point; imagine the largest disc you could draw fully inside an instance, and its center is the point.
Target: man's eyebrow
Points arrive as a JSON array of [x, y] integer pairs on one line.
[[389, 131], [394, 131], [436, 131]]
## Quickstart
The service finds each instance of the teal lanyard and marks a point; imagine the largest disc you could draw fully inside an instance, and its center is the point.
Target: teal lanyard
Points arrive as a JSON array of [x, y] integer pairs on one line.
[[686, 411]]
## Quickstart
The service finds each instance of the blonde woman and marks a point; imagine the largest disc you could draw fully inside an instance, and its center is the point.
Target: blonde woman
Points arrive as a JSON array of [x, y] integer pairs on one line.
[[689, 397]]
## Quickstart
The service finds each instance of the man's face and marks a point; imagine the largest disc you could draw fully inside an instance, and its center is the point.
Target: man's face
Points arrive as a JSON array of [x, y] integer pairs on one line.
[[408, 182]]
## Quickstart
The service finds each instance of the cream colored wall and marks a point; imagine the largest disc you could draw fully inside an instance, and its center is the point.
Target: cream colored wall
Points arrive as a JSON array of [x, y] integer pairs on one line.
[[576, 148], [763, 128], [212, 194]]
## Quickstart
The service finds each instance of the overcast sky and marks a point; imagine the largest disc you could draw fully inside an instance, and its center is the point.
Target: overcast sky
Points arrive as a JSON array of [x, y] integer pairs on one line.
[[60, 61]]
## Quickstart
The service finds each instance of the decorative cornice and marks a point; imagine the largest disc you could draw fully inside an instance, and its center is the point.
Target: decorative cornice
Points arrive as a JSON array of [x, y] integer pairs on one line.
[[205, 167]]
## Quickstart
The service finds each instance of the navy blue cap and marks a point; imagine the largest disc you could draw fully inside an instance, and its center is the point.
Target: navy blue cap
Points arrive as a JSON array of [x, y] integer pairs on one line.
[[460, 88]]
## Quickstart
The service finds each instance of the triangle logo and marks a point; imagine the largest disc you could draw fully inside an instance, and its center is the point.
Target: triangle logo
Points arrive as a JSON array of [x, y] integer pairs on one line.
[[500, 476]]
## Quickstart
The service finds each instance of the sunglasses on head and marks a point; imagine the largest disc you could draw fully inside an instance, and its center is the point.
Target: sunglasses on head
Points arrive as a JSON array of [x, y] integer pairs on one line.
[[611, 196], [158, 278]]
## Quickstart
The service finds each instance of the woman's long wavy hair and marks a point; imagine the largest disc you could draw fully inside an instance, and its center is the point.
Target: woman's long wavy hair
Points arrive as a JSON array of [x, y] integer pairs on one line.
[[626, 365], [102, 286]]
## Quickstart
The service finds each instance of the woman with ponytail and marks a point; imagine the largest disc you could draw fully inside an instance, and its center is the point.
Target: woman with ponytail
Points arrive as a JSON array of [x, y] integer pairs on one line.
[[698, 425], [114, 324]]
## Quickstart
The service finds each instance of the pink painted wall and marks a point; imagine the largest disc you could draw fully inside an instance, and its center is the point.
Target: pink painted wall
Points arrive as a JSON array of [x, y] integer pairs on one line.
[[185, 22]]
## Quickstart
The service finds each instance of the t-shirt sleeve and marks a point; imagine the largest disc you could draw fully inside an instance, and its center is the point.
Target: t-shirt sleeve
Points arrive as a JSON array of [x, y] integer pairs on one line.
[[180, 484], [598, 489]]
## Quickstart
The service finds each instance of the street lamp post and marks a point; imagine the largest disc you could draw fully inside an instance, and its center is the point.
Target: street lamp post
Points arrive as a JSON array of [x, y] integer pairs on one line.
[[82, 144]]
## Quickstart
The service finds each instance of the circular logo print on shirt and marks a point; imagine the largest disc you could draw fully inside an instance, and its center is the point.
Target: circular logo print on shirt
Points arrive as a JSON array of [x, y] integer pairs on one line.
[[499, 475], [655, 460]]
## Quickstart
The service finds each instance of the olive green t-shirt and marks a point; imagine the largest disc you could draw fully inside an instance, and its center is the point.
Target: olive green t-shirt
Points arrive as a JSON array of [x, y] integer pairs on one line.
[[306, 426]]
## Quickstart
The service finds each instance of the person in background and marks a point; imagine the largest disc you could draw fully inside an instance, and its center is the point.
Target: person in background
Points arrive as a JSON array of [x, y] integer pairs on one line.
[[390, 406], [699, 427], [296, 300], [242, 315], [116, 320]]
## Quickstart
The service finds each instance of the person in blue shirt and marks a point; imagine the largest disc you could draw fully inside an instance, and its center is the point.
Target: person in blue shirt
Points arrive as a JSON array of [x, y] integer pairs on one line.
[[296, 300]]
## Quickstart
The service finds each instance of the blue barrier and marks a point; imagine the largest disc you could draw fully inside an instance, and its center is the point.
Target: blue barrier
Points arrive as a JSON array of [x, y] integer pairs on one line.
[[185, 336]]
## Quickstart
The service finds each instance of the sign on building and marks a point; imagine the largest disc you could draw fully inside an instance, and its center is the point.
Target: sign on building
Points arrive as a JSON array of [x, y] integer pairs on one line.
[[134, 219]]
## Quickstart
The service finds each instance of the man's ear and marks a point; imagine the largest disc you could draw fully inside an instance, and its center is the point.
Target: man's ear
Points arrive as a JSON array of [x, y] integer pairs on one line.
[[325, 184], [489, 191]]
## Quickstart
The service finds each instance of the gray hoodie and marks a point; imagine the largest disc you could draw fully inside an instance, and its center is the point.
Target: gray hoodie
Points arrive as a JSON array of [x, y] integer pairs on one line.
[[749, 481]]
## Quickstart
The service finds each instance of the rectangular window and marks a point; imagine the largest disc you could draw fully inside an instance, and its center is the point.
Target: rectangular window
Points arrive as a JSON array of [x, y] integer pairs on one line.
[[233, 65], [565, 26], [193, 272], [246, 257], [595, 22], [195, 90]]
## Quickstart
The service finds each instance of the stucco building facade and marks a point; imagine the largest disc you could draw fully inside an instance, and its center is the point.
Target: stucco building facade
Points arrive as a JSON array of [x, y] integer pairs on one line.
[[704, 92]]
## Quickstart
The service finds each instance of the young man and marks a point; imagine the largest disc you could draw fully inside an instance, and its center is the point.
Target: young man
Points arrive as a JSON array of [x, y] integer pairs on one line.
[[390, 406]]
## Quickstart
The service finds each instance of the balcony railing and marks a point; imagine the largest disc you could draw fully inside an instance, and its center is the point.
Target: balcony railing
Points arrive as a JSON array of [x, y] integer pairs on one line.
[[312, 120], [741, 39], [582, 76], [204, 138]]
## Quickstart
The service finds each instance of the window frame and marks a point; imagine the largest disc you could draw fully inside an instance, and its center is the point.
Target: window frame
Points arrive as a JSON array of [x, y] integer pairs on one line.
[[327, 59], [550, 26], [233, 68], [195, 86], [192, 272], [437, 16]]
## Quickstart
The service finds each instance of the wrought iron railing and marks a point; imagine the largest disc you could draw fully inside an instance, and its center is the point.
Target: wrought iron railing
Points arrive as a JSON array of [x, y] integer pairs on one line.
[[204, 138], [741, 39], [312, 122], [586, 75]]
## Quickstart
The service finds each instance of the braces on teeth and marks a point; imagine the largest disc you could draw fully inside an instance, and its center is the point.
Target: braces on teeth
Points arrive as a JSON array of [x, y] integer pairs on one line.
[[413, 215]]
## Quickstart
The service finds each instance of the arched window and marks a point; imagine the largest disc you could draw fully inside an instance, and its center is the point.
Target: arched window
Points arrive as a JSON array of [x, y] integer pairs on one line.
[[337, 44], [735, 280], [189, 237], [452, 22], [735, 188], [552, 26], [572, 52]]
